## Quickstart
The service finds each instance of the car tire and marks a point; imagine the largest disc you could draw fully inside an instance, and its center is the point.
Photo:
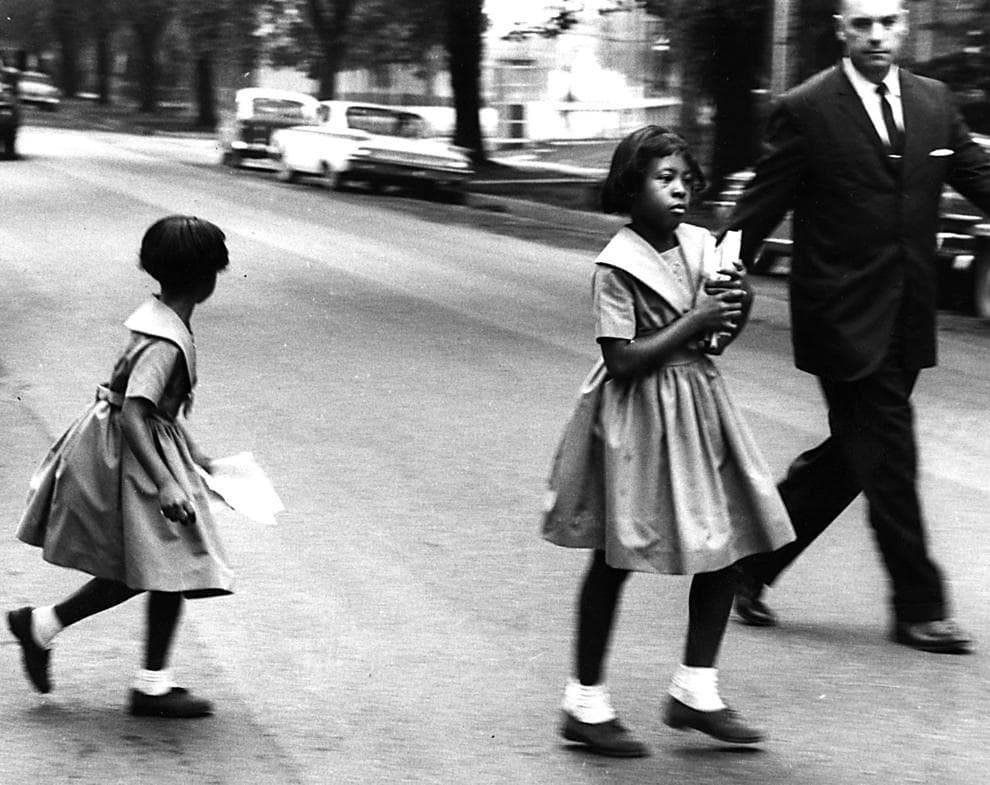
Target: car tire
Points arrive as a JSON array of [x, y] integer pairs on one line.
[[453, 196], [10, 145], [230, 158], [286, 173], [981, 285], [333, 179]]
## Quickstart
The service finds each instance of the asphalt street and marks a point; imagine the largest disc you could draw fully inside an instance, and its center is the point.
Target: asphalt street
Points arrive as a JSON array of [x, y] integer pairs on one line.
[[402, 370]]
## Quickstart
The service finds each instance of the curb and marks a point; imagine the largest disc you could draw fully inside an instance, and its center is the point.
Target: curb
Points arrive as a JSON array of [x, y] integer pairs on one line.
[[586, 222]]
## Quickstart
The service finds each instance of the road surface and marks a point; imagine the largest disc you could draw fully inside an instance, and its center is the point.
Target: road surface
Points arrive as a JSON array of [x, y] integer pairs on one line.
[[402, 370]]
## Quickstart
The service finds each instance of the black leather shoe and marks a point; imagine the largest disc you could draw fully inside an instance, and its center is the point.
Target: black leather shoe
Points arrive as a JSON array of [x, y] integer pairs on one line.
[[34, 658], [942, 636], [178, 704], [604, 738], [724, 724], [749, 603]]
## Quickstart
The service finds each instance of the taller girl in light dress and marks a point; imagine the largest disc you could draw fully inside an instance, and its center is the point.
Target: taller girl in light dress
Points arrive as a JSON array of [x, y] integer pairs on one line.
[[656, 471], [118, 495]]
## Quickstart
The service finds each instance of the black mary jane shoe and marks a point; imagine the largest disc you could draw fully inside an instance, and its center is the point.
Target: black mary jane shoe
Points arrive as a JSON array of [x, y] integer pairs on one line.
[[750, 606], [34, 658], [610, 738], [725, 724], [177, 704]]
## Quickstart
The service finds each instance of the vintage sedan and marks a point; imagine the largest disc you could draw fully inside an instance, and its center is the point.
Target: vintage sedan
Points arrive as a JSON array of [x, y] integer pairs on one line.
[[245, 130], [963, 245], [37, 89], [371, 144]]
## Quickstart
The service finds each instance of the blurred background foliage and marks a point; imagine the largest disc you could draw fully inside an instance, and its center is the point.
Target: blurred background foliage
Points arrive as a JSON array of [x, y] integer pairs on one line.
[[153, 52]]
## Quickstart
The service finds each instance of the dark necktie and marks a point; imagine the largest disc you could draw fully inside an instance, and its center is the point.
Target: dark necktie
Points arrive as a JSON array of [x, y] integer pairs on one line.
[[894, 134]]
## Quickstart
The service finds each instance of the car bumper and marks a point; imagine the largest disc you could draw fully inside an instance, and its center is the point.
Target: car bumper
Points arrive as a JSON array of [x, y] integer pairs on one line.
[[385, 171], [252, 149]]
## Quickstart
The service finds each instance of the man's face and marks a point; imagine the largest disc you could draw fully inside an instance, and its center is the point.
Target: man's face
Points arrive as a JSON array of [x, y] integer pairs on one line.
[[873, 32]]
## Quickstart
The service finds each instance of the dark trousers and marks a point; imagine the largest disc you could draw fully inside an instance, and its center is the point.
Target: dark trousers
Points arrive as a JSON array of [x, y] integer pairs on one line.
[[871, 450]]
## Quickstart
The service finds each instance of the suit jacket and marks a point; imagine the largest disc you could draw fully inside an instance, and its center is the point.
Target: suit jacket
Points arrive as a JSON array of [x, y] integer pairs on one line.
[[864, 224]]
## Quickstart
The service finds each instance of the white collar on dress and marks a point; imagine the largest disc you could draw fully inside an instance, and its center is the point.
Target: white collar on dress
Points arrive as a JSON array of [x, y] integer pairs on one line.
[[155, 318], [629, 252]]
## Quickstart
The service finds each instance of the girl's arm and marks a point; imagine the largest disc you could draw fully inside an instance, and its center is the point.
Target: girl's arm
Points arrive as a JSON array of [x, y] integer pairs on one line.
[[720, 311], [175, 504]]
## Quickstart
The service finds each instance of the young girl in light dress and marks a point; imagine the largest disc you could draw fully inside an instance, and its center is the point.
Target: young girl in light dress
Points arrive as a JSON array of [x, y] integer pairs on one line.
[[656, 471], [118, 495]]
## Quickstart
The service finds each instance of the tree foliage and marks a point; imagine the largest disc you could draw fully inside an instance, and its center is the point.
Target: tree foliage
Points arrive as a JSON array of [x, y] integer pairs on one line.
[[326, 36], [314, 35], [722, 48]]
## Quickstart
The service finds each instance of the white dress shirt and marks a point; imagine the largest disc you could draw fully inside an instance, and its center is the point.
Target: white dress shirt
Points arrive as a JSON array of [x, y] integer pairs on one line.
[[867, 92]]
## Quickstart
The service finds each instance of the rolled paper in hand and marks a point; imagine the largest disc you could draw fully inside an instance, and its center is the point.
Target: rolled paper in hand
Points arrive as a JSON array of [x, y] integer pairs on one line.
[[724, 259]]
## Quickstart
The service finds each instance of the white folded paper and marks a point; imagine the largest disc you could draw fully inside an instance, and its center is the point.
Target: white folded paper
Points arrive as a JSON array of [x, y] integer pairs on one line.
[[244, 487], [727, 252], [725, 257]]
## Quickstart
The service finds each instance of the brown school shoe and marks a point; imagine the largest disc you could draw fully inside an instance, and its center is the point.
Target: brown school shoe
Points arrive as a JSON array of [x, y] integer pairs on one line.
[[178, 704], [610, 738], [725, 724], [34, 658]]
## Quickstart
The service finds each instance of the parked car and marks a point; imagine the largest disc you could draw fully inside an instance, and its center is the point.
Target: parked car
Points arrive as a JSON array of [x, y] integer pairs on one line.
[[10, 112], [245, 129], [373, 144], [963, 245], [38, 89]]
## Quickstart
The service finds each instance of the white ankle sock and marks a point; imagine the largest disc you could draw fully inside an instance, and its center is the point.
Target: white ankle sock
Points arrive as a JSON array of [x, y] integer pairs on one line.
[[589, 704], [45, 625], [153, 682], [697, 688]]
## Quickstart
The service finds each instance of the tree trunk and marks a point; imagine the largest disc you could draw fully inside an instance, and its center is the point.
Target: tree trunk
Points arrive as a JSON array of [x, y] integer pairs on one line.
[[739, 65], [147, 42], [331, 28], [206, 113], [104, 58], [329, 68], [66, 27], [464, 48]]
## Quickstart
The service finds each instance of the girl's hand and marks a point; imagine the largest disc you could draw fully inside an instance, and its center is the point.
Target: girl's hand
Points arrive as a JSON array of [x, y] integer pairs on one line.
[[720, 310], [175, 504], [726, 280]]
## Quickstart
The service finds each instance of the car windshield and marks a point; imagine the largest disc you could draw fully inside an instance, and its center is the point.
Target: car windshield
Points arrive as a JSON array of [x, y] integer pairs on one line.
[[278, 107], [386, 122]]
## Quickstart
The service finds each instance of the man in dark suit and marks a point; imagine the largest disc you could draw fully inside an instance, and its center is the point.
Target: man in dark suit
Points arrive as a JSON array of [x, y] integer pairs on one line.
[[860, 152]]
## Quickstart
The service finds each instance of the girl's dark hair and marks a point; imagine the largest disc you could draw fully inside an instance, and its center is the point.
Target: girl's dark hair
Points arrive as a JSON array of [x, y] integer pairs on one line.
[[631, 159], [180, 250]]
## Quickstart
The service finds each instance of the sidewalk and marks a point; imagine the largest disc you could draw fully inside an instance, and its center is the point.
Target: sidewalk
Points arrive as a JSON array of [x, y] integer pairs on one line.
[[556, 181]]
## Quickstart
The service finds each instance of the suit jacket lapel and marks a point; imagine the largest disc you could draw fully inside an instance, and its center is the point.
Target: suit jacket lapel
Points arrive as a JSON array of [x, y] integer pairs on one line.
[[850, 105], [914, 102]]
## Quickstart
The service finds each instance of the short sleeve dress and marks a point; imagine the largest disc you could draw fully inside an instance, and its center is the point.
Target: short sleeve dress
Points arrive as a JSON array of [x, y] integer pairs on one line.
[[92, 507], [660, 471]]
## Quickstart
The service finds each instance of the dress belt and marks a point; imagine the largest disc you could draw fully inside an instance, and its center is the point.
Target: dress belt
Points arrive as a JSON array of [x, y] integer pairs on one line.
[[104, 393]]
